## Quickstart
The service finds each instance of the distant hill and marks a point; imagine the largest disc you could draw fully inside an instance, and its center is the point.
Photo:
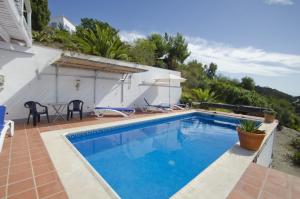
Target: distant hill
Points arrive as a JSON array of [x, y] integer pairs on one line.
[[270, 92]]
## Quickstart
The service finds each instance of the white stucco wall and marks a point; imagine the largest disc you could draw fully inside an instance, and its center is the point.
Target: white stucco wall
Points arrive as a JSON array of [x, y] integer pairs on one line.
[[265, 156], [64, 21], [30, 76]]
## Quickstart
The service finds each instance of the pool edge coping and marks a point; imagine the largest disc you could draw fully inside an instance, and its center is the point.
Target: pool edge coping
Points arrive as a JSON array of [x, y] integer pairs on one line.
[[183, 192]]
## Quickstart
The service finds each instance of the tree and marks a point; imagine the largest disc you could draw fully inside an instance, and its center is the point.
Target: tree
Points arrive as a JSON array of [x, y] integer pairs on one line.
[[104, 41], [211, 70], [177, 50], [248, 83], [231, 94], [143, 52], [40, 14], [170, 50], [89, 23], [201, 95], [193, 71], [160, 49]]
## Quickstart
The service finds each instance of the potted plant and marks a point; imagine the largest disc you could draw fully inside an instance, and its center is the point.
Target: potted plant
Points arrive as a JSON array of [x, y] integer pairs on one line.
[[249, 135], [269, 116]]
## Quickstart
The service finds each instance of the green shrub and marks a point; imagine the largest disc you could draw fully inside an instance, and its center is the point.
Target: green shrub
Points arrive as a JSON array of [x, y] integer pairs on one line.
[[231, 94], [296, 143], [296, 158]]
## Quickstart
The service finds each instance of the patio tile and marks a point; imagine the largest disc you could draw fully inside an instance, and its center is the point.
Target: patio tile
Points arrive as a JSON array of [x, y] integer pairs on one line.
[[29, 194], [20, 168], [49, 189], [20, 154], [18, 147], [295, 194], [36, 146], [35, 152], [19, 160], [268, 195], [248, 190], [237, 195], [278, 178], [42, 169], [256, 171], [61, 195], [3, 171], [4, 163], [253, 181], [19, 176], [295, 183], [276, 189], [36, 156], [41, 161], [274, 185], [4, 156], [20, 186], [3, 180], [2, 192], [35, 142], [46, 178]]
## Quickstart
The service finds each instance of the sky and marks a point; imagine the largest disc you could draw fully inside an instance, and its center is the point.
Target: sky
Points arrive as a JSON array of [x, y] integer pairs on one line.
[[256, 38]]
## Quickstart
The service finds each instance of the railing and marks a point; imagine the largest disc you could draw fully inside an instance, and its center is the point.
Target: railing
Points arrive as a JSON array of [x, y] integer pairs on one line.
[[249, 110]]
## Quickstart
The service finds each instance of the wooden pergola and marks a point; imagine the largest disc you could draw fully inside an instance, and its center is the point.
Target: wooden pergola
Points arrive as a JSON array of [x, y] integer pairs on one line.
[[98, 63]]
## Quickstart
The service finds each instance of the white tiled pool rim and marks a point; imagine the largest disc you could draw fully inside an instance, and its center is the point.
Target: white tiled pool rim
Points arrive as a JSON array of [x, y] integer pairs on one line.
[[216, 181]]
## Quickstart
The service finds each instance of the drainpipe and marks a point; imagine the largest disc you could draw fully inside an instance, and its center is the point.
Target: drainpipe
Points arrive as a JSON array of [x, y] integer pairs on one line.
[[124, 76], [56, 83], [95, 89]]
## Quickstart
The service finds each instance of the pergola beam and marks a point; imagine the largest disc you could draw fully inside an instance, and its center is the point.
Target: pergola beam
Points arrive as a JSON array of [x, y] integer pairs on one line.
[[92, 63]]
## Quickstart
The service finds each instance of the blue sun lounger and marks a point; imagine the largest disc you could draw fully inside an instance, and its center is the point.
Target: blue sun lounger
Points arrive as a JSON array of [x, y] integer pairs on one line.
[[5, 125], [125, 112], [163, 107]]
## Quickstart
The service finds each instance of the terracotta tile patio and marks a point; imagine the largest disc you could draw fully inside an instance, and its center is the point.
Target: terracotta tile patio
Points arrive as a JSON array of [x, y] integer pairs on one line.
[[26, 170], [259, 182]]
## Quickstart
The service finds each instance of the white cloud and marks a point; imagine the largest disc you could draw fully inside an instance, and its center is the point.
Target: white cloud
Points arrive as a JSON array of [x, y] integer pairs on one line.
[[279, 2], [130, 36], [248, 60]]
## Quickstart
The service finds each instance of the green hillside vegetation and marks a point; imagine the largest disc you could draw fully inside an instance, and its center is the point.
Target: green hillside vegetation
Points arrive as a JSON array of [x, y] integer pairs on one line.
[[270, 92], [171, 51]]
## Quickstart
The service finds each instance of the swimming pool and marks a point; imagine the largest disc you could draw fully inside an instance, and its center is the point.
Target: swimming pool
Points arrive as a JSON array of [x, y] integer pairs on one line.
[[156, 158]]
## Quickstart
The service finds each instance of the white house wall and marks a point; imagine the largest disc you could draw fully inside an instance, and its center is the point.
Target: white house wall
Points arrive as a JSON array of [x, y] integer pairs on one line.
[[69, 25], [64, 21], [32, 77]]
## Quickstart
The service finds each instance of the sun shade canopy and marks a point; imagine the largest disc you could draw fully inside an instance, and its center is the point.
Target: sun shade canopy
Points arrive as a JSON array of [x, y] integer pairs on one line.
[[97, 63], [170, 77]]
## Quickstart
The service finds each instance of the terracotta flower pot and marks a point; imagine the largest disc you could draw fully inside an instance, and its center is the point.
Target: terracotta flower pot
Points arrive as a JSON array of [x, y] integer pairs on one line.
[[251, 141], [269, 117]]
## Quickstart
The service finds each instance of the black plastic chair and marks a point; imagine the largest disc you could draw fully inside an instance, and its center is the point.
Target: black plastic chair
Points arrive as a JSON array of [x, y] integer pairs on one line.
[[35, 113], [74, 106]]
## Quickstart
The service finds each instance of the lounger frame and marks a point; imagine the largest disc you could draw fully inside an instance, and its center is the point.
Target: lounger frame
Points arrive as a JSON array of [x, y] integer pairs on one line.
[[102, 111], [9, 128]]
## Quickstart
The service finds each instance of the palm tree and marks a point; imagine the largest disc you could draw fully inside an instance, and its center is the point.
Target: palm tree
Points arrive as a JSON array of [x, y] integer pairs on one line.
[[203, 95], [103, 42]]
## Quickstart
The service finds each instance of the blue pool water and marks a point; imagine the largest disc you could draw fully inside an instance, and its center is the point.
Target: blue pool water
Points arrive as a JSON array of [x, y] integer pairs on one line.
[[155, 159]]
